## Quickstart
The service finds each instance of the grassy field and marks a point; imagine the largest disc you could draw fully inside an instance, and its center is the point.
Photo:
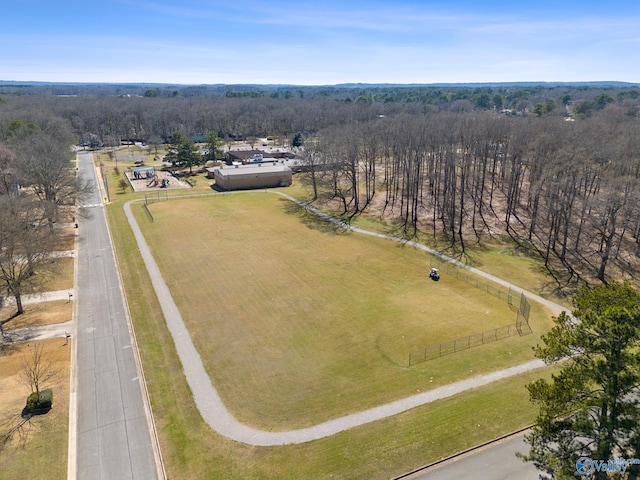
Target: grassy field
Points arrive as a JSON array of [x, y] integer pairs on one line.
[[376, 451], [498, 256], [299, 322]]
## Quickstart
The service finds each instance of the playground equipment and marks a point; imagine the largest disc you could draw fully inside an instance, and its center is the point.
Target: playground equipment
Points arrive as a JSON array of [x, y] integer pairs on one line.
[[143, 172], [153, 182], [434, 274]]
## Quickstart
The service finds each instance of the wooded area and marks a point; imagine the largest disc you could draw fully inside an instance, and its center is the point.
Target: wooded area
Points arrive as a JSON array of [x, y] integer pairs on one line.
[[556, 168], [567, 189]]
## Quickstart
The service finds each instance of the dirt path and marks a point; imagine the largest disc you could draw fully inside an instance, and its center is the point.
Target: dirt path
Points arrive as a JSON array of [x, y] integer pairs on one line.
[[219, 418]]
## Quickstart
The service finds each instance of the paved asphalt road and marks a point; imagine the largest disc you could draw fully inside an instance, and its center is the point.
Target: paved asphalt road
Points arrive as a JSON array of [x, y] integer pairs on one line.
[[496, 461], [112, 434]]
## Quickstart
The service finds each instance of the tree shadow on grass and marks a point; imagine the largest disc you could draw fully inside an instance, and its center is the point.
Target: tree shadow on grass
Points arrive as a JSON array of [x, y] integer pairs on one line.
[[14, 426], [312, 220], [7, 347], [27, 414]]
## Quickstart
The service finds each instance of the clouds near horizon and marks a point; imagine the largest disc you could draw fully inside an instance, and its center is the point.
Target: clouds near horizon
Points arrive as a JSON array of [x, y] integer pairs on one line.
[[200, 41]]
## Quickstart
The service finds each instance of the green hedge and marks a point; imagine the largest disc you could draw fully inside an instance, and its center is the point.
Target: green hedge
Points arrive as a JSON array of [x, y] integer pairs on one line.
[[43, 403]]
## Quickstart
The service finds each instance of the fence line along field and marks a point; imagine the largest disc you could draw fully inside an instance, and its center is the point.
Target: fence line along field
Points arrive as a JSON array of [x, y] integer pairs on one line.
[[299, 321]]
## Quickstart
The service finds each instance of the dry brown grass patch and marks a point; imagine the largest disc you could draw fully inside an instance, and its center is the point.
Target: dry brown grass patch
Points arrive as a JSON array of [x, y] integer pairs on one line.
[[41, 450], [37, 314], [66, 239]]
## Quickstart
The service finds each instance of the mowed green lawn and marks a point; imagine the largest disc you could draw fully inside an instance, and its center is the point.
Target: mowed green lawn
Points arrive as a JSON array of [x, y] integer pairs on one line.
[[298, 321]]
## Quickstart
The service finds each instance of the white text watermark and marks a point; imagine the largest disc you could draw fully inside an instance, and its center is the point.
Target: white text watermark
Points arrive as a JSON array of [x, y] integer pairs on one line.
[[587, 465]]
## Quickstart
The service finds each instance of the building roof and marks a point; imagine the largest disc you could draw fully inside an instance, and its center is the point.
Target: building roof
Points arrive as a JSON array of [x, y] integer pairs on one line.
[[251, 170], [245, 154]]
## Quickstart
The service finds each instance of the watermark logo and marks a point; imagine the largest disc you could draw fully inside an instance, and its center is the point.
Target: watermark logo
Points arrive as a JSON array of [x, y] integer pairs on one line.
[[587, 465]]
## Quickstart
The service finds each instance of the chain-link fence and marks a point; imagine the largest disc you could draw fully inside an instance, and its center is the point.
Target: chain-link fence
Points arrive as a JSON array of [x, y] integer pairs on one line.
[[463, 343], [521, 327], [155, 197], [492, 288], [522, 320]]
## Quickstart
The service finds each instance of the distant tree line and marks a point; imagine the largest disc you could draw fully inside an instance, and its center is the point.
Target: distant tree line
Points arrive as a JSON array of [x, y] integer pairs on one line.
[[105, 114]]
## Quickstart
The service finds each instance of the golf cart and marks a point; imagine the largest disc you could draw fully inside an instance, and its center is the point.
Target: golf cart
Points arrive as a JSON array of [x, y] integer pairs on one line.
[[434, 274]]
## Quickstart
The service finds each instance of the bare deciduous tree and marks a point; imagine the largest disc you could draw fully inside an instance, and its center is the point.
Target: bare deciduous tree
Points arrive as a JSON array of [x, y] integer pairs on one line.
[[25, 246], [44, 163], [8, 171], [37, 373], [38, 370], [123, 184]]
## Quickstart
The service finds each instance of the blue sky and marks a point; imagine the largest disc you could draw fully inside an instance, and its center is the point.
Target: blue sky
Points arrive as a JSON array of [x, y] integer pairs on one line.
[[319, 43]]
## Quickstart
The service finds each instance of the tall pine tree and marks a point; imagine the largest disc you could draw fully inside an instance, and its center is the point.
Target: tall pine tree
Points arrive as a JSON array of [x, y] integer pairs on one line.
[[590, 408]]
